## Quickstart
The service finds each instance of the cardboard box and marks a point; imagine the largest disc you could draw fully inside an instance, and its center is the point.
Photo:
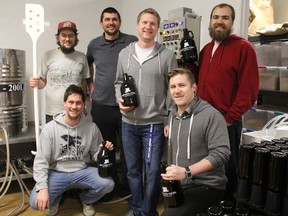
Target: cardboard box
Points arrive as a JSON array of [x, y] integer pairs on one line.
[[269, 79], [269, 54], [284, 55], [283, 80]]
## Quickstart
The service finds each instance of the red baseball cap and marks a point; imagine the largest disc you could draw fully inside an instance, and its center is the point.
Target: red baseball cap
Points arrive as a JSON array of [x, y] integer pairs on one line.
[[67, 25]]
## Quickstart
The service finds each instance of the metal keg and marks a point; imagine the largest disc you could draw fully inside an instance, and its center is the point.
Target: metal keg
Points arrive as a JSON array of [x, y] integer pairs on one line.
[[12, 120], [12, 97]]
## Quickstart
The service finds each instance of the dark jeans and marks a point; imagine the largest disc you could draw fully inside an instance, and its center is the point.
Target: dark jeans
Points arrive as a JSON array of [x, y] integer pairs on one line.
[[196, 199], [234, 132], [145, 192], [108, 120]]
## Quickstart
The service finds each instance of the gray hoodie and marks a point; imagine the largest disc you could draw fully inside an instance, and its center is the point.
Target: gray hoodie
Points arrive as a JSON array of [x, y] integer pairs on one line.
[[150, 81], [201, 132], [65, 148]]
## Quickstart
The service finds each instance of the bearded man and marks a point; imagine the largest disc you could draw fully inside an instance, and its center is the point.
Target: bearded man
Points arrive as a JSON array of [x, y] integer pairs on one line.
[[228, 80], [60, 68]]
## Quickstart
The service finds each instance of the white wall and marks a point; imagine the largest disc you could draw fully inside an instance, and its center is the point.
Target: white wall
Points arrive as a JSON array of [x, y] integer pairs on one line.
[[131, 9], [280, 11], [86, 14]]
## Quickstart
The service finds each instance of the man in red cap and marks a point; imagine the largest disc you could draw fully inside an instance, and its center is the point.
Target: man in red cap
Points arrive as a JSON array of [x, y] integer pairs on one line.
[[60, 68]]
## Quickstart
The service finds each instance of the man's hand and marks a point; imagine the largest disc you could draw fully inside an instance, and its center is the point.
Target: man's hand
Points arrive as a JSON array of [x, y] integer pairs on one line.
[[37, 82], [108, 145], [34, 82], [42, 199], [166, 131], [124, 108], [174, 173]]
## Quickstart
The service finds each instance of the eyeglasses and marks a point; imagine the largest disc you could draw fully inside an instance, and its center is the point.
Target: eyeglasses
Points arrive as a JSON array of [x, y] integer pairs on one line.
[[70, 36]]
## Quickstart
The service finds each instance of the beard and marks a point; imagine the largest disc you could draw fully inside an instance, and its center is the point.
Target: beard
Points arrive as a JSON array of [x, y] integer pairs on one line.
[[67, 50], [219, 35], [112, 33]]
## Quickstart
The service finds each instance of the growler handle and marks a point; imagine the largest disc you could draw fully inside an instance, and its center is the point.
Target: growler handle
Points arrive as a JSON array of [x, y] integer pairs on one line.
[[192, 35]]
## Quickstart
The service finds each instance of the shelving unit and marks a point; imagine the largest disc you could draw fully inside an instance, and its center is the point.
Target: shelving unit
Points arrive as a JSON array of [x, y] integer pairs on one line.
[[271, 62], [272, 55]]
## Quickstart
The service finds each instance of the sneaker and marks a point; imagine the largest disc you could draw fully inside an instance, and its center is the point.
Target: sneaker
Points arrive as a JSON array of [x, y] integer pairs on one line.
[[131, 213], [52, 211], [88, 209]]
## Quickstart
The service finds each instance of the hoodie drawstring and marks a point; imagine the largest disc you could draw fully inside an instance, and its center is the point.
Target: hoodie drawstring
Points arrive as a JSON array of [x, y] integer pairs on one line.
[[159, 63], [169, 139], [128, 64], [188, 141]]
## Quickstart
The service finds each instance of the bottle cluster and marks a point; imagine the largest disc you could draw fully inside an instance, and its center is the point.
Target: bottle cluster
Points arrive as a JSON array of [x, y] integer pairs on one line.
[[263, 176]]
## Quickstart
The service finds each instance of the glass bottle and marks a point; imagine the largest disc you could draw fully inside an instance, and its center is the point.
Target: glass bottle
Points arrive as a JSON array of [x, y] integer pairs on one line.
[[260, 164], [104, 161], [189, 50], [272, 148], [278, 141], [285, 139], [171, 189], [214, 211], [241, 211], [245, 161], [226, 206], [245, 170], [277, 166], [128, 91]]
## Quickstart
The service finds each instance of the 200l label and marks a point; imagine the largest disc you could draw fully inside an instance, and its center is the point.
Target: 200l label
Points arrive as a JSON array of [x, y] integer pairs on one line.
[[15, 87]]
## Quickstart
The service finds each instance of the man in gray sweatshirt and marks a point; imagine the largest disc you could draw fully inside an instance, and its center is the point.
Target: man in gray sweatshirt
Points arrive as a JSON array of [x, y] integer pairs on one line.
[[148, 63], [199, 142], [67, 144]]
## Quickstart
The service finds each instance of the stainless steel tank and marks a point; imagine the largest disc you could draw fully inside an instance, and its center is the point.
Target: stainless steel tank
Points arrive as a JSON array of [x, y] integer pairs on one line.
[[12, 88]]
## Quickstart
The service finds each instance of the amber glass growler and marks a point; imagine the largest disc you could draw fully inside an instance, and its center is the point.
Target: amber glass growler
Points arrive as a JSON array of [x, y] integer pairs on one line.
[[171, 189], [104, 161], [189, 50], [128, 91]]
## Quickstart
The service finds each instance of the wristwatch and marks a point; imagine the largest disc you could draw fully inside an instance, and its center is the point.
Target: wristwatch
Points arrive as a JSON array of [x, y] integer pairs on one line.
[[188, 172]]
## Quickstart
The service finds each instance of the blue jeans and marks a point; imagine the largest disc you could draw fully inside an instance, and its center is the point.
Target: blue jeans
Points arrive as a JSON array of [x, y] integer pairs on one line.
[[92, 185], [143, 141]]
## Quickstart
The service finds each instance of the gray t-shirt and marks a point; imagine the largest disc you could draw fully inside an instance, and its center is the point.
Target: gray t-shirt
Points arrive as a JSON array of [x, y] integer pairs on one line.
[[61, 70]]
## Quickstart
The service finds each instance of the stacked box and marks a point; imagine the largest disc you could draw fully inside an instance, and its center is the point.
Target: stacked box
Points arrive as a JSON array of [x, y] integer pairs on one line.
[[283, 81], [269, 54], [284, 46], [269, 79]]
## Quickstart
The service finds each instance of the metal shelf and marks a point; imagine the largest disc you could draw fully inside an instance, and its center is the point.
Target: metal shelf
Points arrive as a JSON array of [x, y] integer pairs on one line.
[[268, 38], [273, 93], [262, 93]]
